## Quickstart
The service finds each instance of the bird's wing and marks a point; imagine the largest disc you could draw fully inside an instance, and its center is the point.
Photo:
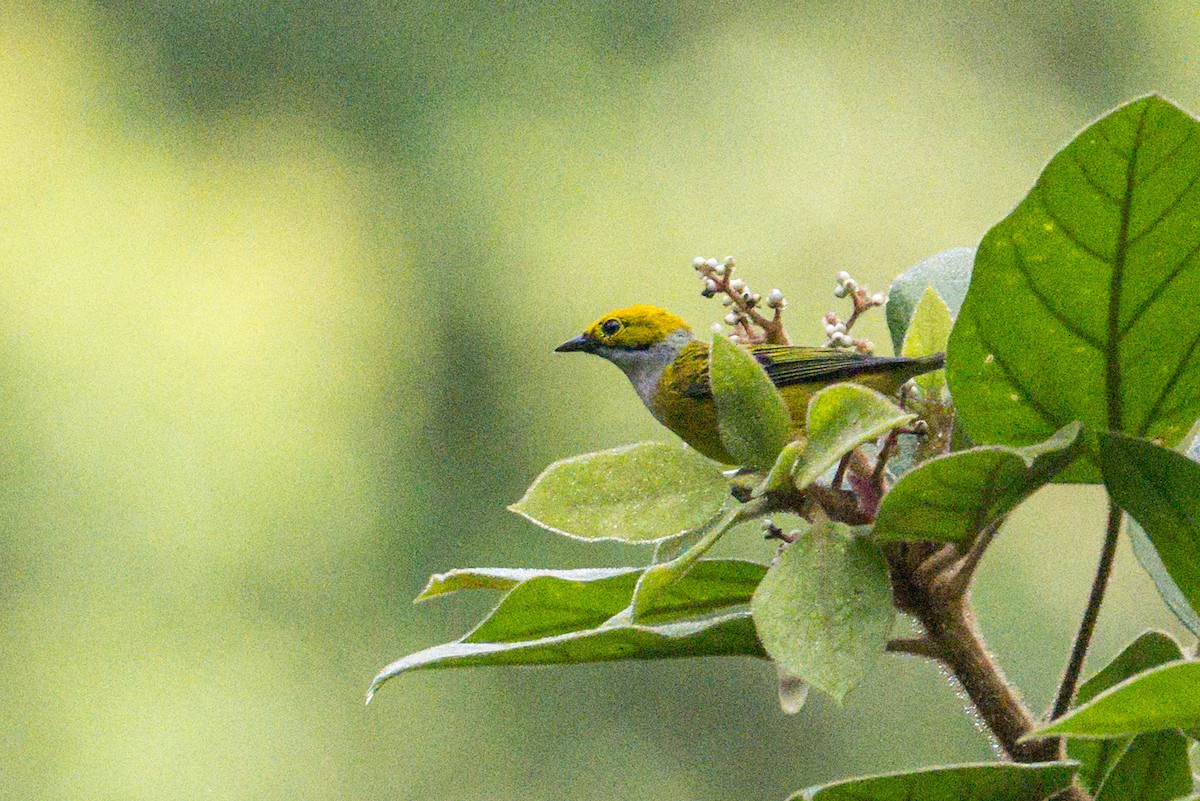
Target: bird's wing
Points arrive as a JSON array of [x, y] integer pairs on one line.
[[785, 365], [795, 364]]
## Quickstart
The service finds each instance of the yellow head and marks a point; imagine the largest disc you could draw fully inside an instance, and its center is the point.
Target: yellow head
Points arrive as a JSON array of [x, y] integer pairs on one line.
[[635, 328]]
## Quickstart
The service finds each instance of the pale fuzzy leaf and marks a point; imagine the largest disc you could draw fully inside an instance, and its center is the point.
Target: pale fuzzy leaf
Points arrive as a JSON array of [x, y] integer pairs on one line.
[[753, 420], [824, 610], [646, 492]]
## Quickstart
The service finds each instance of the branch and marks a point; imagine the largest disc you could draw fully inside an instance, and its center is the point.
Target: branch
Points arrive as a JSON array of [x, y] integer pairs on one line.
[[1066, 690]]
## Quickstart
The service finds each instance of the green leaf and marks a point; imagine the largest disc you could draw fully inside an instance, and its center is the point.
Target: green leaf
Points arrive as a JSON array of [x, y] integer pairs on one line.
[[949, 272], [727, 635], [928, 333], [658, 577], [1165, 697], [505, 578], [550, 604], [1153, 767], [780, 475], [824, 610], [1152, 563], [840, 418], [1160, 489], [956, 496], [1097, 757], [751, 415], [1082, 302], [992, 781], [638, 493]]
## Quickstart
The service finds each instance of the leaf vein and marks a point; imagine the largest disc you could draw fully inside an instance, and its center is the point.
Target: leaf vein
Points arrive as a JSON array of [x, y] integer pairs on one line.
[[1066, 322], [1070, 233], [1158, 290], [1166, 212], [1169, 387], [1092, 182]]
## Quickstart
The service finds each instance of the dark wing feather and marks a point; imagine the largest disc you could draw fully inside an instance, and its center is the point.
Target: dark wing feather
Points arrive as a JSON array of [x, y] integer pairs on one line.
[[797, 364]]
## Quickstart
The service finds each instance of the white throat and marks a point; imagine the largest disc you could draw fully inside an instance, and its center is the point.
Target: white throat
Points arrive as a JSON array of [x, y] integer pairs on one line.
[[645, 367]]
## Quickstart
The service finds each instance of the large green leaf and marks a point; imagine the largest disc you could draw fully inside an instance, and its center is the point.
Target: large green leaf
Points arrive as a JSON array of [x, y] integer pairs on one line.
[[1153, 767], [840, 418], [1160, 489], [1082, 301], [993, 781], [1165, 697], [726, 635], [928, 333], [638, 493], [549, 604], [948, 272], [751, 415], [1097, 757], [954, 497], [824, 610]]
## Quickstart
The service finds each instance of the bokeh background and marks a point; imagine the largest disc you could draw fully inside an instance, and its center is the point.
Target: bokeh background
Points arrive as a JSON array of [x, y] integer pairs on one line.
[[279, 284]]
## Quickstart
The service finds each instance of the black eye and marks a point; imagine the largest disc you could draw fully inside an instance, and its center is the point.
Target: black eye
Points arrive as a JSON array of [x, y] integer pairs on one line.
[[610, 327]]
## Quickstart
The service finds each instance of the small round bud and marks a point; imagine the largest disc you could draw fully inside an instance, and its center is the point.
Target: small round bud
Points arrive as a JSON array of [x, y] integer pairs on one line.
[[732, 318], [851, 285], [726, 301], [698, 262], [773, 297], [711, 263], [717, 328], [710, 285], [719, 269], [842, 277], [839, 327], [830, 330], [879, 298], [729, 261], [737, 285], [839, 291], [734, 338], [831, 317]]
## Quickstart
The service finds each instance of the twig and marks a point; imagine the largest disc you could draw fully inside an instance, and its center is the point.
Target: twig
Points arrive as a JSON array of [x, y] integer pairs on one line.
[[915, 646], [1066, 690]]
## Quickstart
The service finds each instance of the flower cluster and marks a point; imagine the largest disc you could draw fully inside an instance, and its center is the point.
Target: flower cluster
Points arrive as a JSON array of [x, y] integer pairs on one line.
[[748, 323], [836, 329]]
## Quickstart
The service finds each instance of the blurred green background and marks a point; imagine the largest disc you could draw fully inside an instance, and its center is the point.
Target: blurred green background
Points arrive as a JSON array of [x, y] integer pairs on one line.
[[279, 285]]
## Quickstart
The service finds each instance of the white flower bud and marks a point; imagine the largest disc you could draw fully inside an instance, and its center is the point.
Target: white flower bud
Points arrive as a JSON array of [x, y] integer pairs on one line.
[[719, 269], [698, 262], [879, 298], [710, 285], [729, 261], [843, 277], [830, 330], [731, 318], [839, 291], [839, 327], [711, 263], [734, 338], [726, 301], [774, 297], [851, 285], [737, 285], [717, 328]]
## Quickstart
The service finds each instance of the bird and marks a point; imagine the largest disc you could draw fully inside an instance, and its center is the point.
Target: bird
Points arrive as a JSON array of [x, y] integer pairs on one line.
[[668, 367]]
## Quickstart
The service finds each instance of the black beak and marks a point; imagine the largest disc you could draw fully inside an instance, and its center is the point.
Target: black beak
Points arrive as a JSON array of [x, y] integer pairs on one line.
[[580, 342]]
